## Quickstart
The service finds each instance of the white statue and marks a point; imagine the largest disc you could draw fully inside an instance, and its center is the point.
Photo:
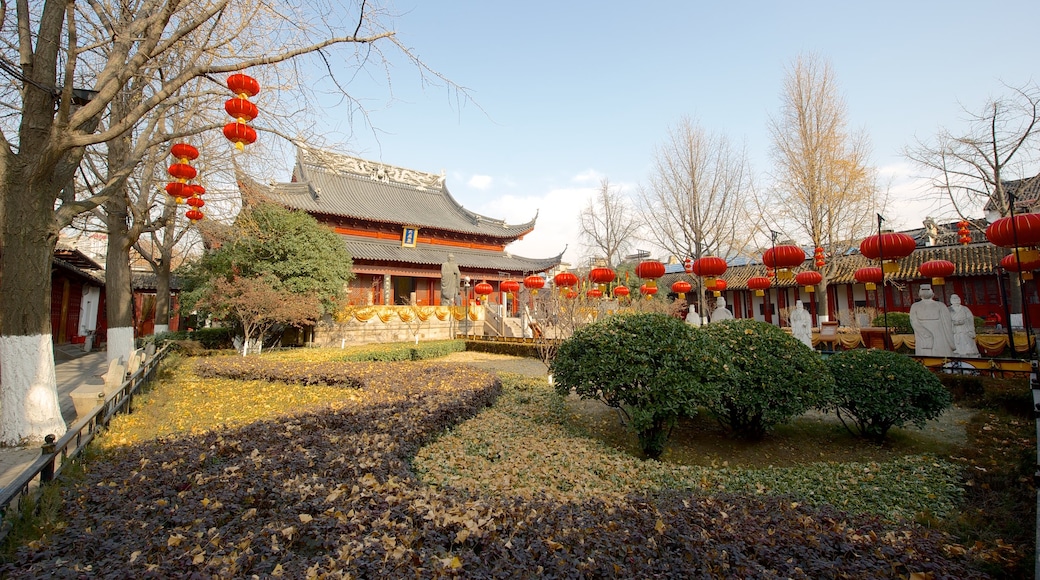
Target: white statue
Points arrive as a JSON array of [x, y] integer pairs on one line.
[[963, 329], [692, 318], [933, 328], [801, 324], [525, 321], [721, 312]]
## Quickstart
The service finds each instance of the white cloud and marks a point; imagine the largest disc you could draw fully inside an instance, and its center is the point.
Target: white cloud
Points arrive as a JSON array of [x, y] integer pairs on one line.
[[588, 176], [481, 182], [557, 225], [912, 198]]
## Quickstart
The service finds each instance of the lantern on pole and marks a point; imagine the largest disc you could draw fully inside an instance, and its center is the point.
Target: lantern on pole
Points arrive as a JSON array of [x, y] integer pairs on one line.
[[510, 287], [1011, 264], [870, 277], [759, 284], [1022, 232], [534, 283], [483, 290], [937, 270], [783, 258], [809, 279], [681, 287], [650, 271], [710, 267], [888, 247]]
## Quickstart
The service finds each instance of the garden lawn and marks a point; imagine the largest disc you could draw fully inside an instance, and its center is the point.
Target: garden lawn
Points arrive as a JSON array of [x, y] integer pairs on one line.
[[301, 488]]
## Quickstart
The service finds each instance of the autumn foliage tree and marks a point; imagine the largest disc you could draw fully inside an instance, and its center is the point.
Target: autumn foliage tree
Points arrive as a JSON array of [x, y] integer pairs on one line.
[[257, 305]]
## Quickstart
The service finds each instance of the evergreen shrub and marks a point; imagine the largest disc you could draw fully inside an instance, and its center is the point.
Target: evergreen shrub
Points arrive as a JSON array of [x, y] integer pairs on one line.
[[880, 389], [650, 366], [767, 377], [899, 322]]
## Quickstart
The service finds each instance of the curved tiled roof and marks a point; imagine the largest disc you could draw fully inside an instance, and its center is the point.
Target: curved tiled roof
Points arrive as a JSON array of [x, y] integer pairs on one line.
[[339, 185], [372, 250]]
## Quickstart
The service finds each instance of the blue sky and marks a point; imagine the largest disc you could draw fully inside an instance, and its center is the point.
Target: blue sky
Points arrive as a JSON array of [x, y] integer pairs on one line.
[[565, 93]]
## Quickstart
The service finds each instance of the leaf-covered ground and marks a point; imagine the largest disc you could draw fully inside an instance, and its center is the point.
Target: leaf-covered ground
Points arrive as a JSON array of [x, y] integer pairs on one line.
[[330, 492]]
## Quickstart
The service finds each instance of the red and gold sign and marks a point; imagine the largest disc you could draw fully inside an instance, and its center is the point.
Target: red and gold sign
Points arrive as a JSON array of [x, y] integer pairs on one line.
[[889, 247], [809, 279], [937, 270], [870, 277], [681, 287], [759, 284]]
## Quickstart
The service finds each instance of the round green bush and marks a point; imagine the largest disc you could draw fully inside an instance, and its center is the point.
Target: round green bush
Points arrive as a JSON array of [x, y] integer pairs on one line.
[[650, 366], [768, 377], [899, 322], [880, 389]]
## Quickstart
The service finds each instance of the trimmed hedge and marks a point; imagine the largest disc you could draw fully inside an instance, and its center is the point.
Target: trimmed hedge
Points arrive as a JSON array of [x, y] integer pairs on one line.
[[528, 350], [397, 352]]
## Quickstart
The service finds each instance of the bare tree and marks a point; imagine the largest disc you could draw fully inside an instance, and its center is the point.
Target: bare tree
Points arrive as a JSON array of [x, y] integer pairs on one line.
[[823, 191], [608, 225], [53, 47], [694, 203]]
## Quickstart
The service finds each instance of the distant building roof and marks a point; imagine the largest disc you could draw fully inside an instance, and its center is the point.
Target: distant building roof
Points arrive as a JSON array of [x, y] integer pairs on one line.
[[339, 185]]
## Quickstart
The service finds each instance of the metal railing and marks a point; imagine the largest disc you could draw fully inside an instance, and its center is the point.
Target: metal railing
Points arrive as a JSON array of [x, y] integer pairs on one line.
[[57, 453]]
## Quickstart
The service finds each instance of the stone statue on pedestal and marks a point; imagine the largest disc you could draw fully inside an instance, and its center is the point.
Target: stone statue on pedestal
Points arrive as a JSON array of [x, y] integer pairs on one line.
[[721, 312], [801, 324], [933, 327]]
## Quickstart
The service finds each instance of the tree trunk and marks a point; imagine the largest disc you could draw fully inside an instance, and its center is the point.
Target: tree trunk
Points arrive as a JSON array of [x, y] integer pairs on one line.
[[162, 296], [29, 407], [118, 293]]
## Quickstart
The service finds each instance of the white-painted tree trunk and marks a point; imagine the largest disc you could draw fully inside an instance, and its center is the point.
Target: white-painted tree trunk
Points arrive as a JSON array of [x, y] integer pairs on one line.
[[29, 408], [162, 328], [120, 343]]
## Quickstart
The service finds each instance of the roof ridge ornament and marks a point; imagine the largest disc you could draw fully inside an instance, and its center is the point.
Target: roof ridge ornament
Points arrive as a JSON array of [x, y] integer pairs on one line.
[[371, 169]]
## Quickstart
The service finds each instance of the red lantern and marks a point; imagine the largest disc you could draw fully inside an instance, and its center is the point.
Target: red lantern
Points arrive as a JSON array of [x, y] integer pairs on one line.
[[759, 284], [650, 271], [182, 171], [783, 258], [1023, 232], [818, 258], [809, 279], [196, 202], [194, 215], [244, 85], [622, 292], [602, 275], [720, 285], [241, 109], [510, 287], [963, 232], [888, 247], [681, 287], [483, 290], [1012, 264], [571, 295], [534, 283], [594, 293], [184, 152], [647, 290], [178, 191], [937, 270], [197, 189], [240, 134], [870, 277], [709, 267], [565, 280]]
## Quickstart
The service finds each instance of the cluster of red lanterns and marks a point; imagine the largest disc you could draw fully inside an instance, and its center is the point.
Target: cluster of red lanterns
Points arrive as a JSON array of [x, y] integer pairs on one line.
[[1021, 233], [242, 109], [963, 232], [182, 190], [818, 257], [650, 271]]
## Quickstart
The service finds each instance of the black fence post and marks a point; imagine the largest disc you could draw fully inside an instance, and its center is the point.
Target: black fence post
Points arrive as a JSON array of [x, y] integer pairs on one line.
[[47, 473]]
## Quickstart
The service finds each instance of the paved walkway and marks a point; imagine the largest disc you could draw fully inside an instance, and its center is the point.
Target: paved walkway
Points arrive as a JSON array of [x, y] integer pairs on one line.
[[72, 368]]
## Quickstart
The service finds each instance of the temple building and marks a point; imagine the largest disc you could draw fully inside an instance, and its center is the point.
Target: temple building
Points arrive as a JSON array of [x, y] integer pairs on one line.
[[400, 226]]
